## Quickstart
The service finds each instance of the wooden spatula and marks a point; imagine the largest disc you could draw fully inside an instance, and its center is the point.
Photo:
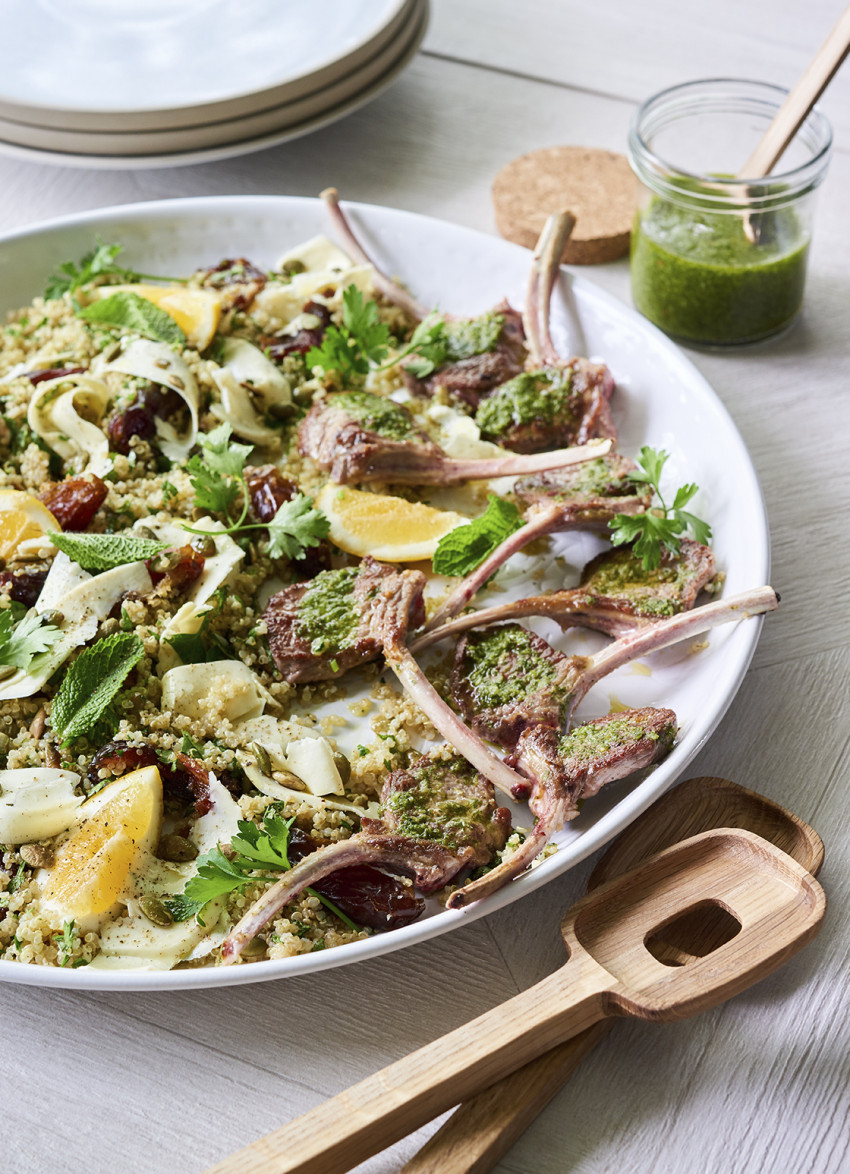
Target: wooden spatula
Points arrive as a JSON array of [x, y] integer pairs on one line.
[[777, 905], [482, 1130]]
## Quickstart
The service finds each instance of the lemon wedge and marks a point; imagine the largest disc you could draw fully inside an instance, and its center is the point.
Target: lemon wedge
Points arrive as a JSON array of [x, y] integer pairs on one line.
[[112, 832], [388, 528], [196, 311], [22, 516]]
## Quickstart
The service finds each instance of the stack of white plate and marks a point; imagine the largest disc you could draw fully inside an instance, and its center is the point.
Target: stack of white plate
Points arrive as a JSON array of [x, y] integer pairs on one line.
[[155, 83]]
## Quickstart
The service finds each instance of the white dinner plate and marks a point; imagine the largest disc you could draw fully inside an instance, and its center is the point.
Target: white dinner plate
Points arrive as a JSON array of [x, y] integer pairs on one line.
[[661, 400], [335, 95], [242, 136], [79, 63]]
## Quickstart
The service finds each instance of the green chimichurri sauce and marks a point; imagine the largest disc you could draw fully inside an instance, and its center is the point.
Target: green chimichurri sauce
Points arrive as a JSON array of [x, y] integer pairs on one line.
[[377, 414], [505, 667], [327, 616], [699, 277], [472, 336], [543, 395]]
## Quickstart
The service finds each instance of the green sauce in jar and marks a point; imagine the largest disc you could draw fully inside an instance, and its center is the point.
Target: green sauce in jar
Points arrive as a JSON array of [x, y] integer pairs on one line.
[[698, 276]]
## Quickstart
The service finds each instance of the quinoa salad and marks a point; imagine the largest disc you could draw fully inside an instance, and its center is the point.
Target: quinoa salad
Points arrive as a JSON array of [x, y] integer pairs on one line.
[[235, 508]]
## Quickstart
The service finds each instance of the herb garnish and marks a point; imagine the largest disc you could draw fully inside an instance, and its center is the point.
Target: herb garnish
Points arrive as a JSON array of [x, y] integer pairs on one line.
[[98, 262], [254, 855], [463, 549], [217, 476], [129, 311], [92, 682], [24, 635], [659, 526], [428, 346], [103, 552], [361, 339]]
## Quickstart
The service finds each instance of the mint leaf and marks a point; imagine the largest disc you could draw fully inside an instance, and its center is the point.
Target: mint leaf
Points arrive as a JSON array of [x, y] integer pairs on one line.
[[92, 682], [103, 552], [463, 549], [21, 642], [295, 527], [428, 347], [659, 527], [131, 312], [182, 907]]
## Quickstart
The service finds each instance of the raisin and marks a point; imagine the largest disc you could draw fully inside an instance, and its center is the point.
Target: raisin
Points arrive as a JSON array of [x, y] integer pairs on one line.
[[23, 586], [268, 489], [75, 501], [365, 894]]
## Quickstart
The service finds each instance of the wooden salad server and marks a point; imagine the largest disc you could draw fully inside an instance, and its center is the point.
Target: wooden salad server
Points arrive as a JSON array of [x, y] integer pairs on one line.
[[611, 971], [482, 1130]]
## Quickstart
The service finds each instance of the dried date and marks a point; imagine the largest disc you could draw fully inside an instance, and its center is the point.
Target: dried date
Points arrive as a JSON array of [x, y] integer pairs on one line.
[[75, 501]]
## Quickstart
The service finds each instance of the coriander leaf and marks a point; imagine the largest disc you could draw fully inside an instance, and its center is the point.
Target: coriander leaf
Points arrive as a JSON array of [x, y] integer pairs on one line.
[[92, 682], [69, 276], [131, 312], [102, 552], [222, 454], [212, 491], [295, 527], [463, 549], [21, 642], [361, 319], [658, 527], [217, 875], [360, 339]]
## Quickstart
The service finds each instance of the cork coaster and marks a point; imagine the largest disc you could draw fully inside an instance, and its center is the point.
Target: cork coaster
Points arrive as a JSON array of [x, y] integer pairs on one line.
[[598, 187]]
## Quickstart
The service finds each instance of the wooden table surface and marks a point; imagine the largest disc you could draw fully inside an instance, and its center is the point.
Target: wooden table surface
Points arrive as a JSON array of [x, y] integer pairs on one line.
[[170, 1082]]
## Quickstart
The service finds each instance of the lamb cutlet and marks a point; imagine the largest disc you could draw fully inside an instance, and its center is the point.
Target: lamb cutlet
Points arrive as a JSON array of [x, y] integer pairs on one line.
[[360, 437], [586, 497], [574, 677], [482, 352], [616, 594], [320, 629], [569, 768], [438, 819]]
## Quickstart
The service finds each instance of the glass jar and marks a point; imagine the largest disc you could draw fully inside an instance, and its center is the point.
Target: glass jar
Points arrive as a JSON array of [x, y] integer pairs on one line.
[[717, 260]]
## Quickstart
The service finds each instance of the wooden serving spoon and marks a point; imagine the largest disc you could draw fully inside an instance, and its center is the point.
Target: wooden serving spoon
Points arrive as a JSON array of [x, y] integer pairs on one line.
[[611, 971], [482, 1130]]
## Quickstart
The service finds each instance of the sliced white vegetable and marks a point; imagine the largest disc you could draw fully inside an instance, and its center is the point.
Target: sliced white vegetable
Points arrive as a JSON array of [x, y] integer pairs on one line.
[[218, 567], [459, 436], [319, 252], [186, 621], [65, 413], [312, 760], [82, 608], [222, 687], [36, 803], [64, 575], [276, 790], [157, 362], [245, 376], [327, 267], [135, 942], [237, 409], [248, 364]]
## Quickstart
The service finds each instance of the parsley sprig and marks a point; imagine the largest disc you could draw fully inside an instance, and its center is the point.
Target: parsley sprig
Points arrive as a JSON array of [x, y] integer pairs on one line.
[[660, 526], [24, 635], [463, 549], [428, 347], [255, 854], [360, 340], [98, 262], [217, 475]]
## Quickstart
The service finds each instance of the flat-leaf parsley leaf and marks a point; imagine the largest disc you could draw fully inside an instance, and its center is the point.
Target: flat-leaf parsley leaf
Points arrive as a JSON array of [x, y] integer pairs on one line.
[[658, 527], [362, 338]]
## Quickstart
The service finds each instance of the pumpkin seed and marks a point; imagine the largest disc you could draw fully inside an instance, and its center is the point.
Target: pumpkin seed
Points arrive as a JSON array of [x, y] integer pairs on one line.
[[155, 911]]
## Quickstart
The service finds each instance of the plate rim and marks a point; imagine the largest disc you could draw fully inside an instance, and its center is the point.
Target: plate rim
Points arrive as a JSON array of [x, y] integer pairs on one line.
[[743, 639], [326, 66]]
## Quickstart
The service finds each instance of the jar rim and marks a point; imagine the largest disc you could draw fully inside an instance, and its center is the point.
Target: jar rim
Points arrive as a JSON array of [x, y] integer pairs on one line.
[[725, 190]]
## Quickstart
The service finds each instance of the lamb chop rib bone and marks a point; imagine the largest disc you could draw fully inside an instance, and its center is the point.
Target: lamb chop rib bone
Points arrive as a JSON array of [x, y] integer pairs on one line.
[[588, 670], [544, 273], [385, 285], [604, 609]]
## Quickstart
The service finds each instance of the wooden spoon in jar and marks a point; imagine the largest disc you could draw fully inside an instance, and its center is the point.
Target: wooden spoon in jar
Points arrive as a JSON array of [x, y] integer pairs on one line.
[[612, 971], [482, 1130]]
